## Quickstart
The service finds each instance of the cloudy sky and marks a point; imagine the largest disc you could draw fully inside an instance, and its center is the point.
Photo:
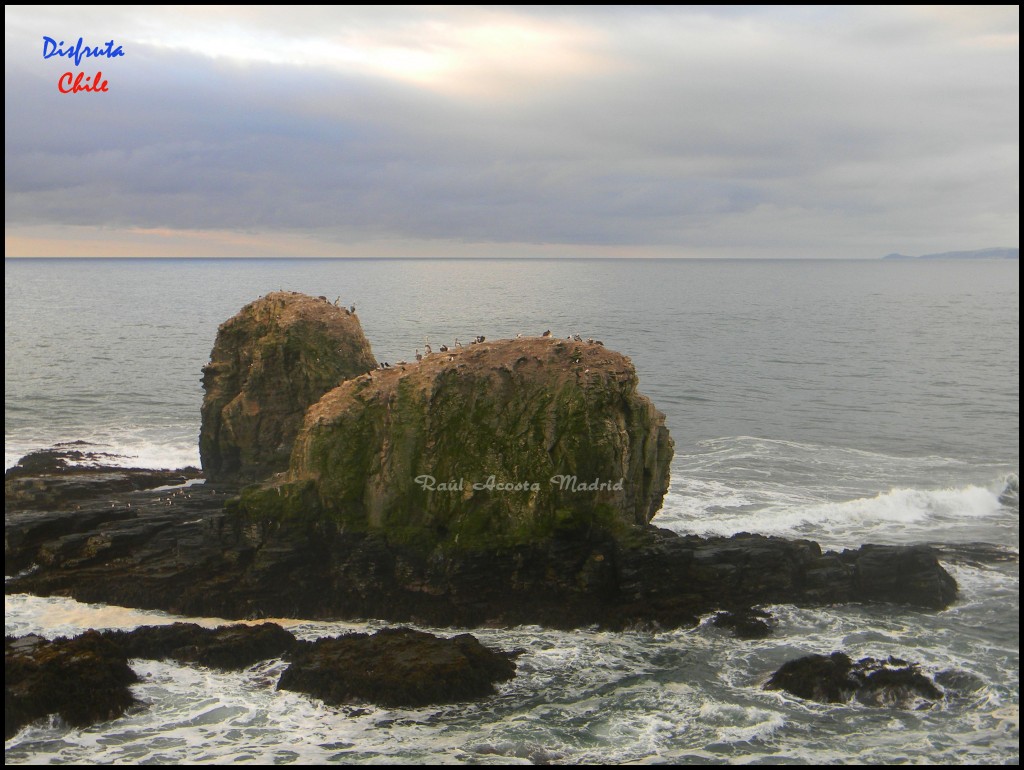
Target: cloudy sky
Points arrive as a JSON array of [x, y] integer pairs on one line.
[[690, 132]]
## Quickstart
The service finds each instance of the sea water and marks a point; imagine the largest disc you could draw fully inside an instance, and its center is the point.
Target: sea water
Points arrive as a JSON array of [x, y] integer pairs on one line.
[[846, 402]]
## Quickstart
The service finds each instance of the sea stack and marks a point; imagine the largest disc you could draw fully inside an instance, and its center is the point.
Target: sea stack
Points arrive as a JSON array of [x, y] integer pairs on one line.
[[501, 443], [269, 363]]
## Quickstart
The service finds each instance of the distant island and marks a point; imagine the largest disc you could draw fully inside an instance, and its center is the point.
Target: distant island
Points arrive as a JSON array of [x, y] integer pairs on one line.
[[976, 254]]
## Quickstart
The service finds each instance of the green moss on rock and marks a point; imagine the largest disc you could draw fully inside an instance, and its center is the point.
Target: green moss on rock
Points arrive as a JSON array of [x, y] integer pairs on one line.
[[495, 444]]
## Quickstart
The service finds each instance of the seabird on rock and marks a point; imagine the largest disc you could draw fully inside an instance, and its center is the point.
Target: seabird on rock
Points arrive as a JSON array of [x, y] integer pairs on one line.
[[457, 343], [443, 348], [577, 338], [352, 310], [546, 334], [418, 356]]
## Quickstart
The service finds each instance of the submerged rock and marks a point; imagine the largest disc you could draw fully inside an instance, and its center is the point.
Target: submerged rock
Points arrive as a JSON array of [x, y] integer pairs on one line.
[[225, 647], [750, 623], [836, 678], [83, 680], [272, 360], [1010, 496], [396, 667], [497, 444]]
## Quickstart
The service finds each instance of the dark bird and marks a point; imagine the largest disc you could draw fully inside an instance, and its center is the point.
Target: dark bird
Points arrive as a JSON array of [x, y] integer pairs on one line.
[[546, 334]]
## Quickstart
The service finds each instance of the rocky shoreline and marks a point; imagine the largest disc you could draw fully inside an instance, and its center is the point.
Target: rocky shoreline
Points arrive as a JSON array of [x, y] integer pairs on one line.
[[180, 550]]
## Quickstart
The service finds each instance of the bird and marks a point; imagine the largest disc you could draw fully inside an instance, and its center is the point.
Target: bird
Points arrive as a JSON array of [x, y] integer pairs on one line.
[[418, 356], [457, 343], [577, 338], [352, 310], [443, 348], [427, 350], [546, 334]]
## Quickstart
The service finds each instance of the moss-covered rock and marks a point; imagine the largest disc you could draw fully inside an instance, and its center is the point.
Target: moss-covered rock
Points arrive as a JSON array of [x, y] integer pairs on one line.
[[494, 444], [272, 360]]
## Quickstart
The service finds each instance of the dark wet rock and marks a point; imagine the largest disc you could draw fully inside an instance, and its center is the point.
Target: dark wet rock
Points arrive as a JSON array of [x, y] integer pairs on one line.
[[824, 678], [959, 682], [750, 623], [894, 682], [269, 363], [901, 575], [396, 668], [836, 678], [192, 557], [226, 647], [1010, 496], [84, 680], [68, 474]]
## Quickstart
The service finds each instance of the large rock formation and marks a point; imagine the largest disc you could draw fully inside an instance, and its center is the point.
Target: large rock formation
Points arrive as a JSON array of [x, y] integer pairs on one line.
[[502, 483], [494, 444], [272, 360]]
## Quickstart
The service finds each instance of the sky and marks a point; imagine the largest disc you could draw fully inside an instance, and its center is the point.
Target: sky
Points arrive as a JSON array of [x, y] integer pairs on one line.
[[767, 132]]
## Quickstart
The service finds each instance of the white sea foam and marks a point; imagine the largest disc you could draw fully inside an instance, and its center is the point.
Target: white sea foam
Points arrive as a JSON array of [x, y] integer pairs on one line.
[[125, 448]]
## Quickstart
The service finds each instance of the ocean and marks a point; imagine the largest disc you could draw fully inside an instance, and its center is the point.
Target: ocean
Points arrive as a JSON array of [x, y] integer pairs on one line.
[[847, 402]]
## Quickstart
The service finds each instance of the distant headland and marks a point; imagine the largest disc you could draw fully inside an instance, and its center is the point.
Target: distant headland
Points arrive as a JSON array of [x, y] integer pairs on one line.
[[996, 253]]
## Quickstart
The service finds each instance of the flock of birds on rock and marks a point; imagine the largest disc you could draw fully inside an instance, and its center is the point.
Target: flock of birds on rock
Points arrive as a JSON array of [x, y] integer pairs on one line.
[[428, 350]]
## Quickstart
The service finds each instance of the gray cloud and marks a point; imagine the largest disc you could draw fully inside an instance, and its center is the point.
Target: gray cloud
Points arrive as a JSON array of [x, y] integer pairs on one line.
[[752, 133]]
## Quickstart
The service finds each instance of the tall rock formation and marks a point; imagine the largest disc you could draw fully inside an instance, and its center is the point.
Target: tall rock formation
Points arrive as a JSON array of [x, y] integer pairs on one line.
[[498, 443], [272, 360]]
